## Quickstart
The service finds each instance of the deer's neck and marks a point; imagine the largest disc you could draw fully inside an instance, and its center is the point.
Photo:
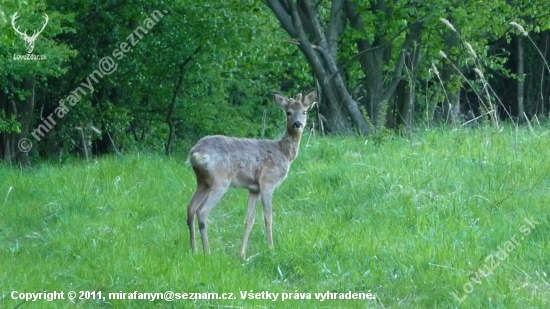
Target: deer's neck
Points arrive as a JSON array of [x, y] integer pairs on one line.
[[289, 145]]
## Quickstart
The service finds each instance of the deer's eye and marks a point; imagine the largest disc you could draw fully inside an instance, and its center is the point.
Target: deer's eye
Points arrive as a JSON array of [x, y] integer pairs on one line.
[[304, 113], [288, 113]]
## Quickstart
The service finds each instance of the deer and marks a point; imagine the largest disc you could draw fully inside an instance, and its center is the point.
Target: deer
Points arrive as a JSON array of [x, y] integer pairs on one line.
[[260, 166], [29, 40]]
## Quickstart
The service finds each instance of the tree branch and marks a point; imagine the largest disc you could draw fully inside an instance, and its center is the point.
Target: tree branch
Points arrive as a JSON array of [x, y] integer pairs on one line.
[[335, 27], [413, 36], [390, 40], [386, 43], [190, 57], [283, 16]]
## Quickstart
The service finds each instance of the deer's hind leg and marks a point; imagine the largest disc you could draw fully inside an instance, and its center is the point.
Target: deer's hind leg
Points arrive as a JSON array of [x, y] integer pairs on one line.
[[215, 193], [196, 201]]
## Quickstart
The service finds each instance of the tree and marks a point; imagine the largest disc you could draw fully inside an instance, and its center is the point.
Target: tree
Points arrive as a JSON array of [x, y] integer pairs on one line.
[[23, 81], [320, 46]]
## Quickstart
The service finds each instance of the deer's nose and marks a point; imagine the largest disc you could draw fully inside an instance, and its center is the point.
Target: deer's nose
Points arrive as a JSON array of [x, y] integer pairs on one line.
[[297, 124]]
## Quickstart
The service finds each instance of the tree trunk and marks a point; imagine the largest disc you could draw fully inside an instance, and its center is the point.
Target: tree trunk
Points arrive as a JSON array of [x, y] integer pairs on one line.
[[451, 108], [451, 105], [521, 78], [392, 111], [374, 82], [333, 119], [404, 108], [9, 153], [25, 117], [169, 116], [4, 135], [401, 113], [177, 89], [372, 60], [84, 141], [544, 93]]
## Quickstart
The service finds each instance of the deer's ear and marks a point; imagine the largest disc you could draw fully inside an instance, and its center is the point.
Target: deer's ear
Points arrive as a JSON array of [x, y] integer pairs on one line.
[[309, 98], [281, 100]]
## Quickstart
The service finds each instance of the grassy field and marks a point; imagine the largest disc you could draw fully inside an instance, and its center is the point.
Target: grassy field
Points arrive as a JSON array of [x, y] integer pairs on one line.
[[410, 220]]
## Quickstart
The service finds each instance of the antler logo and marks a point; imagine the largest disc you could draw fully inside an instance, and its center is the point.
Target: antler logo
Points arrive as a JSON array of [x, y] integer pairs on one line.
[[29, 40]]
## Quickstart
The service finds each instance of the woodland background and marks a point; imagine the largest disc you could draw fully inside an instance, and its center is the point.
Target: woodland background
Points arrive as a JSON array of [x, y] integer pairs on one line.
[[210, 67]]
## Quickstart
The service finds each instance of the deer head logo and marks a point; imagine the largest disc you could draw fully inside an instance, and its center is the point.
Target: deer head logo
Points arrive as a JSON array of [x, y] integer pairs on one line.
[[29, 40]]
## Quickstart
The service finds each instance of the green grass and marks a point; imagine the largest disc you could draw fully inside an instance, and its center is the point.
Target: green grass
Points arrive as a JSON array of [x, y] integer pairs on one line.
[[409, 220]]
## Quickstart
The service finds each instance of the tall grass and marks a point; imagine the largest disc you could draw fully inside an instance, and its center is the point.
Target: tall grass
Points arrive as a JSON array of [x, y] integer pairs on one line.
[[409, 220]]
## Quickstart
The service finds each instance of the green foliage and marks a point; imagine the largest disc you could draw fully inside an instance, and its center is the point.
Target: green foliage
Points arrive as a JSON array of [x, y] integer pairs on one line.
[[230, 68], [231, 57], [14, 73], [382, 136], [8, 125], [10, 43]]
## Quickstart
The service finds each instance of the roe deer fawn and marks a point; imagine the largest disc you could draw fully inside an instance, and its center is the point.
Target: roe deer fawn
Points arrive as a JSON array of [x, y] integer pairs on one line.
[[260, 166]]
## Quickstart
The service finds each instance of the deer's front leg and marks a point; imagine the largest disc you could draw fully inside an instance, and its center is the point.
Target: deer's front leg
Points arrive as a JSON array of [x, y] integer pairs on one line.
[[268, 215], [253, 198]]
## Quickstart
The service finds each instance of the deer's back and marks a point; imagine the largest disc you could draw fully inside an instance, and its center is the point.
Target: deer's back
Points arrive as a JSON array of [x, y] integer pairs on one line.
[[244, 162]]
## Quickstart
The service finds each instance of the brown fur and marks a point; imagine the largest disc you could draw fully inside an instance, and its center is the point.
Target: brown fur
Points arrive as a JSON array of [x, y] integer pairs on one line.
[[260, 166]]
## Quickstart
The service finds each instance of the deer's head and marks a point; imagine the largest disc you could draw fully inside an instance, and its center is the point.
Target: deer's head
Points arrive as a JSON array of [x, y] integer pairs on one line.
[[296, 109], [29, 40]]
